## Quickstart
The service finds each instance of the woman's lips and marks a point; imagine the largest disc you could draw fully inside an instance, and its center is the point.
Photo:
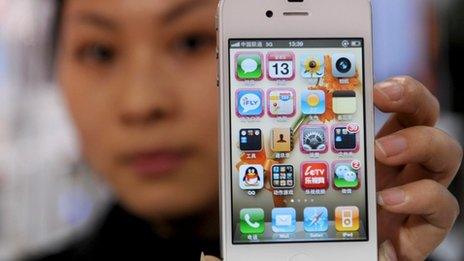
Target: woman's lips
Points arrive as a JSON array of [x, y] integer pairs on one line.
[[156, 164]]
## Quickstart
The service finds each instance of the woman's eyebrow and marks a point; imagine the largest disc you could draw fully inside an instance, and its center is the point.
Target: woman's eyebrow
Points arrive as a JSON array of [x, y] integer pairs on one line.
[[183, 9], [97, 20]]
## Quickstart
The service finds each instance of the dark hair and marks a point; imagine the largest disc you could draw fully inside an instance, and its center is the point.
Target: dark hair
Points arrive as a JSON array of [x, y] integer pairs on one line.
[[55, 31]]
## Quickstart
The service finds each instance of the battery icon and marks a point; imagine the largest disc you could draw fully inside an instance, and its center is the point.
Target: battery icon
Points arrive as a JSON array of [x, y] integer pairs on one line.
[[356, 43]]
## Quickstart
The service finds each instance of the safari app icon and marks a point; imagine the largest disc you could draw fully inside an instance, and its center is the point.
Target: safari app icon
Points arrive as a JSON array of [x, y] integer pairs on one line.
[[249, 66]]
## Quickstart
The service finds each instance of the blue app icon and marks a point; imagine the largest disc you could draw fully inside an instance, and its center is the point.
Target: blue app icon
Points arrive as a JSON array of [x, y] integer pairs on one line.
[[283, 220], [313, 102], [250, 103], [316, 219]]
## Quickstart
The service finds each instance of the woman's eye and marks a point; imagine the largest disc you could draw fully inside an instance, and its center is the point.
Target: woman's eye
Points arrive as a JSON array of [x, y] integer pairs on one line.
[[194, 43], [97, 53]]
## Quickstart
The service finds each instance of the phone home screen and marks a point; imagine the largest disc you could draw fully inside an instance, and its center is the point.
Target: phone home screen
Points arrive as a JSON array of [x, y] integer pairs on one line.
[[298, 169]]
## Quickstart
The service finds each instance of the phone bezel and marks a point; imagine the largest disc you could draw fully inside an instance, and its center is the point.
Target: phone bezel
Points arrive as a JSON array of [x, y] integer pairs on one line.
[[234, 18]]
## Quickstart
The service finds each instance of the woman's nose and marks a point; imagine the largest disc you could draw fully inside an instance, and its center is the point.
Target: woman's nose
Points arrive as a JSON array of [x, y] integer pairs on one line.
[[148, 97]]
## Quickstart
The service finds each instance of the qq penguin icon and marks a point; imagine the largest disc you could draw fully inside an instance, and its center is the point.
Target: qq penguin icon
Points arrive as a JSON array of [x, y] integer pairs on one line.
[[251, 177]]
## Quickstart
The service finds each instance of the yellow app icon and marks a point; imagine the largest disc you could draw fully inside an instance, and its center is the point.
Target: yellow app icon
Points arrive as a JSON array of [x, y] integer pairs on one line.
[[344, 102], [347, 219], [281, 140]]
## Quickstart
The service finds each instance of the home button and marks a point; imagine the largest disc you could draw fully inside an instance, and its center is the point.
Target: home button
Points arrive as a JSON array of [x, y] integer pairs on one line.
[[300, 257]]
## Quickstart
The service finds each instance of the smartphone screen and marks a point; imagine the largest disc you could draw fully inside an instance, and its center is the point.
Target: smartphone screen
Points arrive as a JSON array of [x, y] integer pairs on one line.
[[298, 168]]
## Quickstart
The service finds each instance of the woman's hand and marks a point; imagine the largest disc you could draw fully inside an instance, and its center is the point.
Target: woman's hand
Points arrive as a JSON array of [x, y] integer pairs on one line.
[[415, 164]]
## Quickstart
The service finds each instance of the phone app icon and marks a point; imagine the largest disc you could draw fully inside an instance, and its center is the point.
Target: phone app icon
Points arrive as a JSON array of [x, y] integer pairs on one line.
[[250, 103], [281, 140], [252, 221], [314, 175], [282, 176], [344, 102], [250, 139], [345, 176], [283, 220], [347, 218], [314, 139], [343, 65], [316, 219], [313, 102], [280, 66], [312, 66], [345, 138], [281, 102], [249, 66], [251, 177]]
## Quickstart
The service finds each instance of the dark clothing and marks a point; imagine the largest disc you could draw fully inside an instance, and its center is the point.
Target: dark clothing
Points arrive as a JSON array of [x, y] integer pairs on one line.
[[122, 236], [456, 53]]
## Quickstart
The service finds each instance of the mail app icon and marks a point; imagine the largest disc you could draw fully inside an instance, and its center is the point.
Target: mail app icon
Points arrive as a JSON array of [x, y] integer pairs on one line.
[[283, 220]]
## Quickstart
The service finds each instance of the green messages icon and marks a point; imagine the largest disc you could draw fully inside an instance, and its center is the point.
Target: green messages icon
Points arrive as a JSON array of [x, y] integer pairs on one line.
[[252, 221], [249, 67]]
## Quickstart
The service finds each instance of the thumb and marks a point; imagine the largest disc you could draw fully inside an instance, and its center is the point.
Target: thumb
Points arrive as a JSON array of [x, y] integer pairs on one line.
[[208, 258], [387, 252]]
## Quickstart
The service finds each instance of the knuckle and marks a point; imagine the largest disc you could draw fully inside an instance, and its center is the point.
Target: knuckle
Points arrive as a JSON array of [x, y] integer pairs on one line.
[[430, 136], [431, 186], [454, 151]]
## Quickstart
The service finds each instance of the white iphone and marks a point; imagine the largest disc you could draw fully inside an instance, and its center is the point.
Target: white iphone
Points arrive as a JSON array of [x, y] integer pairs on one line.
[[297, 130]]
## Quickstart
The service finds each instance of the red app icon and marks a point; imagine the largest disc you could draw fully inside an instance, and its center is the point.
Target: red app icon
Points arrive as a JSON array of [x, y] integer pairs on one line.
[[314, 175]]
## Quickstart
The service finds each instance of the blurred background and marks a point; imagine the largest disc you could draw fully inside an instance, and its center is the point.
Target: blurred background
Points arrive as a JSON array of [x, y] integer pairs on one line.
[[48, 196]]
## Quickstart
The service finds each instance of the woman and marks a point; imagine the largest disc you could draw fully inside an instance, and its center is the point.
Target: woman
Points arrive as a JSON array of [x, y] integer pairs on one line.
[[139, 79]]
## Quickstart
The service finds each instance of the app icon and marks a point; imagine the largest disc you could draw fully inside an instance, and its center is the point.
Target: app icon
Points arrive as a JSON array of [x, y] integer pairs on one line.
[[316, 219], [314, 139], [250, 103], [280, 66], [250, 139], [343, 65], [251, 177], [344, 102], [344, 175], [282, 176], [347, 219], [249, 66], [281, 102], [313, 102], [314, 175], [345, 138], [312, 66], [283, 220], [281, 140], [252, 221]]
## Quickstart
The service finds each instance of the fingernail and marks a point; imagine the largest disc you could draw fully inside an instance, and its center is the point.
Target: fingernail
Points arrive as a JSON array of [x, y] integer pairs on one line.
[[387, 252], [390, 197], [392, 145], [393, 91]]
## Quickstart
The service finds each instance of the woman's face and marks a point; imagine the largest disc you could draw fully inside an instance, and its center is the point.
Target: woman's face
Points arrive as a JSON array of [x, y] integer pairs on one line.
[[139, 79]]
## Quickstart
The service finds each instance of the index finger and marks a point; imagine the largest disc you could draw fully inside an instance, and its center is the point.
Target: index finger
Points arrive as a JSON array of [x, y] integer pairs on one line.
[[410, 101]]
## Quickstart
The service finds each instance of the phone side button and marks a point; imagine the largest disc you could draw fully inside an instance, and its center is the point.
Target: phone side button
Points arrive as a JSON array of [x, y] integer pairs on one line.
[[300, 257]]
